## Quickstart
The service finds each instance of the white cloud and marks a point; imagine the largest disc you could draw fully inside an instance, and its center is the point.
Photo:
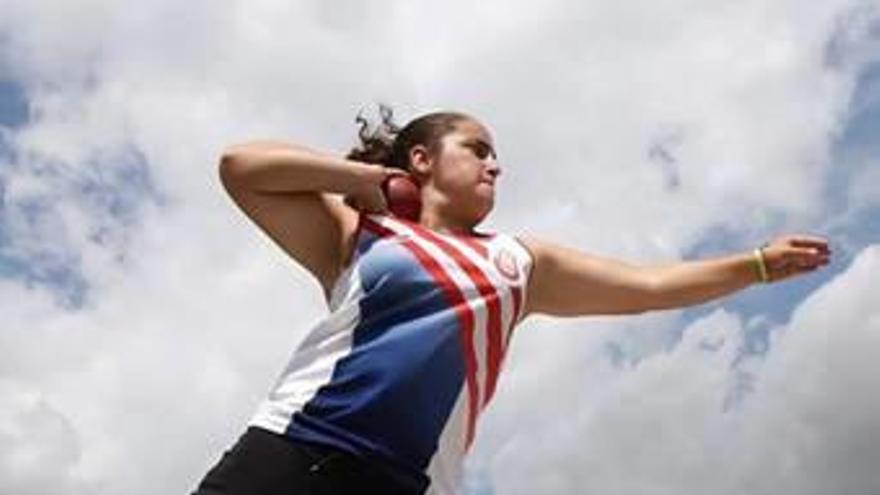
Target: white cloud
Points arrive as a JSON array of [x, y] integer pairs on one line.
[[40, 445], [191, 312]]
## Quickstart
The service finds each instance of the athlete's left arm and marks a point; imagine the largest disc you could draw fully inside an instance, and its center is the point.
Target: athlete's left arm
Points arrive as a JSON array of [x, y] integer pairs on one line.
[[567, 282]]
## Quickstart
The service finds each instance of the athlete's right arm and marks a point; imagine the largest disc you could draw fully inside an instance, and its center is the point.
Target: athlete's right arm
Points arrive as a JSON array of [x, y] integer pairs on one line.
[[292, 193]]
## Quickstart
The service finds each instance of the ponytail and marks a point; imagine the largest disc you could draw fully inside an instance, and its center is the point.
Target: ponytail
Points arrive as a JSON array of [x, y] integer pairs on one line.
[[388, 144], [376, 145]]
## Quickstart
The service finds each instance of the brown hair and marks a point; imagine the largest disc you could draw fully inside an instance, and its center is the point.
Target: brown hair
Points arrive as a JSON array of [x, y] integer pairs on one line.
[[389, 144]]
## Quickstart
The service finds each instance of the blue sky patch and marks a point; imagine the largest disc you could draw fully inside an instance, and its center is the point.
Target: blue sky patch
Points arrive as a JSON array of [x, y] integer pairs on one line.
[[14, 106], [110, 189]]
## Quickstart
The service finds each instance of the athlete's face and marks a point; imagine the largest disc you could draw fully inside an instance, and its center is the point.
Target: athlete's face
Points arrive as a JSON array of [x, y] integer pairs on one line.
[[465, 170]]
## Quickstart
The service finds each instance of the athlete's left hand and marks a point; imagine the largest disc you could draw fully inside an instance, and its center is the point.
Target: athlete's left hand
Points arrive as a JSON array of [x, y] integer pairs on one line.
[[791, 255]]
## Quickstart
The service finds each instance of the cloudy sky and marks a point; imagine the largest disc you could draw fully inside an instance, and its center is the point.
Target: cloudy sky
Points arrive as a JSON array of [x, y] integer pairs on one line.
[[142, 317]]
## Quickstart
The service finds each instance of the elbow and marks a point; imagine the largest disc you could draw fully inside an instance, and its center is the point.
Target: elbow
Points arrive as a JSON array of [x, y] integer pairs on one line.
[[231, 166]]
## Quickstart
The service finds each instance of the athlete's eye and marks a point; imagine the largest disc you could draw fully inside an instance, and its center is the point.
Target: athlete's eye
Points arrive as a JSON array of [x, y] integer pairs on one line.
[[481, 150]]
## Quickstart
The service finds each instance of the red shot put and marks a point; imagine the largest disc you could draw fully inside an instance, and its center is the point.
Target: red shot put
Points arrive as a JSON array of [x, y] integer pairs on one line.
[[403, 196]]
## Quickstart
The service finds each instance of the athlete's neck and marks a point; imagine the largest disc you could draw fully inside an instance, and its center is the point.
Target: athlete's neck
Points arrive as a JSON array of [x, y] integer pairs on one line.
[[432, 219]]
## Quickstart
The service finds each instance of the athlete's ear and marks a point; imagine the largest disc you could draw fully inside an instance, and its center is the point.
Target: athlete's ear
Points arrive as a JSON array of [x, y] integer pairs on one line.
[[420, 160]]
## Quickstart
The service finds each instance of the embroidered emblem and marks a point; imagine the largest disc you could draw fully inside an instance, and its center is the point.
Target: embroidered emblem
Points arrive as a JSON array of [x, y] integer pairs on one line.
[[506, 264]]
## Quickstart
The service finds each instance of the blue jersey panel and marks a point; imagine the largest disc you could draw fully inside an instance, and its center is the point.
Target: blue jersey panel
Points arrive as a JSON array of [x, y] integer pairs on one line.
[[393, 393]]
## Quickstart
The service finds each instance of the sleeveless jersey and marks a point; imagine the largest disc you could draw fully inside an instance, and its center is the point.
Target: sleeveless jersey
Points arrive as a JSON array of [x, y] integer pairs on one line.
[[410, 352]]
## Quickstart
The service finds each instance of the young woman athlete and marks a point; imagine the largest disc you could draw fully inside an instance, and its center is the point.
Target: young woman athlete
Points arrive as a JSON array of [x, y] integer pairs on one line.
[[383, 395]]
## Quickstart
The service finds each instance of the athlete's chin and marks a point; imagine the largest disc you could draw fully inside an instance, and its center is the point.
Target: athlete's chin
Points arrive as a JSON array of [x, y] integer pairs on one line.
[[476, 205], [485, 193], [484, 207]]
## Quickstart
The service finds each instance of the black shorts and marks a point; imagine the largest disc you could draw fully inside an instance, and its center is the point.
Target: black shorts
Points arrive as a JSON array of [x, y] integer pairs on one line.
[[265, 463]]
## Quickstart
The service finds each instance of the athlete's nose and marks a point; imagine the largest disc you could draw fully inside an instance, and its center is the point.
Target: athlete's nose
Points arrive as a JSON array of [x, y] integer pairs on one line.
[[494, 169]]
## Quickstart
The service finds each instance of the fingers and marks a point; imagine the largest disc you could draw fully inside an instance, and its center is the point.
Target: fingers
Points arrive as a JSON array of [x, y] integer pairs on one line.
[[802, 245], [800, 262], [372, 203], [381, 204], [792, 255], [810, 242], [391, 172], [805, 256]]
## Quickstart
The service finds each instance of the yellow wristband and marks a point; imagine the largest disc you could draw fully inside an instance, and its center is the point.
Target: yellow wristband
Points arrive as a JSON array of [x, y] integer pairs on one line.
[[761, 266]]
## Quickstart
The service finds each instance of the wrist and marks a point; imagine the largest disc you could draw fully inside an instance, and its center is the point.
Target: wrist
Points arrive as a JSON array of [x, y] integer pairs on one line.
[[759, 265], [364, 175]]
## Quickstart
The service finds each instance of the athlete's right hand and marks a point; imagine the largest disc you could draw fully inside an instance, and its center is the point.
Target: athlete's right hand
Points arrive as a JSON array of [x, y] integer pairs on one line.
[[368, 196]]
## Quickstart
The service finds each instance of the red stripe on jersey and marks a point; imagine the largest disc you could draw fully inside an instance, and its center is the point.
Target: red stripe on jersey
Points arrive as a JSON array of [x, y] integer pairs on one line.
[[493, 305], [462, 311], [516, 293], [476, 246], [517, 297], [517, 305], [470, 240]]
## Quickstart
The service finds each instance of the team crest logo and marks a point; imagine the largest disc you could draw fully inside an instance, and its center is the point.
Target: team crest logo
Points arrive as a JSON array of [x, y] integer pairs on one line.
[[506, 264]]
